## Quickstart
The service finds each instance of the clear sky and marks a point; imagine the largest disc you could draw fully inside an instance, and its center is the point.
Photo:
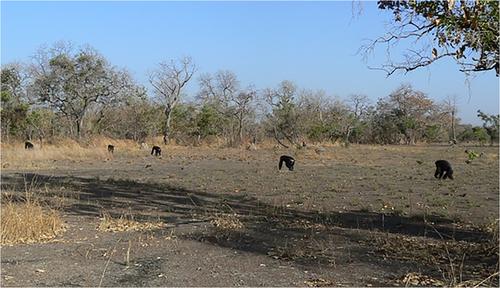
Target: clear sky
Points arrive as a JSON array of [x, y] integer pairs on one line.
[[314, 44]]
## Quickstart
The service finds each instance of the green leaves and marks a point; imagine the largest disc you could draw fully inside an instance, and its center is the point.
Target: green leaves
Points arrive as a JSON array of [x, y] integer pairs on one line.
[[458, 27], [491, 125]]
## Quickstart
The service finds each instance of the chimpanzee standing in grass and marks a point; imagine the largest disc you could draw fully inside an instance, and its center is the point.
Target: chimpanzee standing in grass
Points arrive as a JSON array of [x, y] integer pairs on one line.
[[289, 162], [28, 145], [156, 151], [443, 167]]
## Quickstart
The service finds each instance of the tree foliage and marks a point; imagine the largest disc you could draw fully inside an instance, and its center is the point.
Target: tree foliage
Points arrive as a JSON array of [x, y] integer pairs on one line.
[[465, 30], [283, 115], [490, 124], [403, 116], [14, 107], [73, 83], [76, 93]]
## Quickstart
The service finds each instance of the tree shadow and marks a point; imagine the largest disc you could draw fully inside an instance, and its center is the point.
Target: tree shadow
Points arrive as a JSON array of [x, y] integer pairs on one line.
[[304, 237], [140, 198]]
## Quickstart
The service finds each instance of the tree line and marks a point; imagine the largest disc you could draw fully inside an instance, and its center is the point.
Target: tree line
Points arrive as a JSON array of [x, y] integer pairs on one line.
[[76, 92]]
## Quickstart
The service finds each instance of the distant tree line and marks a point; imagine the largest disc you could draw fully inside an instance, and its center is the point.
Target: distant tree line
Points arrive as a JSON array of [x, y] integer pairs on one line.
[[77, 93]]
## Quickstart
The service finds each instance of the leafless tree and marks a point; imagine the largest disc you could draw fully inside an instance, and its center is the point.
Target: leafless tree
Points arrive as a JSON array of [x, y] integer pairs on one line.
[[359, 104], [242, 107], [219, 89], [450, 106], [313, 104], [169, 80], [223, 92]]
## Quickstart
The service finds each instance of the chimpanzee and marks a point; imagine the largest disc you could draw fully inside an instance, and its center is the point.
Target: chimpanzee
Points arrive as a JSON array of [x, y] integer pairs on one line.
[[156, 151], [28, 145], [289, 162], [111, 148], [443, 167]]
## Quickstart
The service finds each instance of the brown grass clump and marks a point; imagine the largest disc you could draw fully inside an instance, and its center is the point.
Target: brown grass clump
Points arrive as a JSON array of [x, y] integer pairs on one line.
[[125, 223], [417, 279], [29, 222], [227, 222], [318, 282], [227, 226]]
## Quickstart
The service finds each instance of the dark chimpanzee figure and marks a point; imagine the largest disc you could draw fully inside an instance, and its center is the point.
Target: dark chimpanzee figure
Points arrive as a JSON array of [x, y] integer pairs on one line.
[[289, 162], [28, 145], [111, 148], [443, 167], [156, 151]]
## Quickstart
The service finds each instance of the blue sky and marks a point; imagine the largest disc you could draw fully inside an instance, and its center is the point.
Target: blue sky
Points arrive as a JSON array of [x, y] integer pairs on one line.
[[314, 44]]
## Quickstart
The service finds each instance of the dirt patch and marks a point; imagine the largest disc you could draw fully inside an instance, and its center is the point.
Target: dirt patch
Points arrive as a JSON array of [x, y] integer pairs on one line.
[[232, 219]]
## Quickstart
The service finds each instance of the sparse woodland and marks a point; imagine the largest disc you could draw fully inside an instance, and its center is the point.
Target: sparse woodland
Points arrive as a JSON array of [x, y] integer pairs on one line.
[[78, 93], [204, 216]]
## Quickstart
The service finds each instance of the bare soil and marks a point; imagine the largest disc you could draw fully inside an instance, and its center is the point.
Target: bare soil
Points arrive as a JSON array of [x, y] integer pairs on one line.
[[357, 216]]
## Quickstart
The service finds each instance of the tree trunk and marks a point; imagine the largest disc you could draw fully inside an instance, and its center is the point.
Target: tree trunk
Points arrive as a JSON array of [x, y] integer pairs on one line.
[[347, 135], [240, 128], [79, 128], [80, 133], [6, 130], [166, 129], [453, 135], [277, 139]]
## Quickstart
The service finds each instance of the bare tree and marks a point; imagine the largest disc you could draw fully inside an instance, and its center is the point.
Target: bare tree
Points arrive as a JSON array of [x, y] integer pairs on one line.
[[168, 81], [313, 104], [450, 106], [359, 104], [242, 107], [222, 91], [219, 89]]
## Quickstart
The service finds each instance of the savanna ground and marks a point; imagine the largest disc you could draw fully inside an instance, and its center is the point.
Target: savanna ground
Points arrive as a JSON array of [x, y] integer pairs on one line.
[[356, 216]]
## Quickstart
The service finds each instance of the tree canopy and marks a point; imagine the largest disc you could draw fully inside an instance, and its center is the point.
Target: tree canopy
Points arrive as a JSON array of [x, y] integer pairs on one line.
[[466, 31]]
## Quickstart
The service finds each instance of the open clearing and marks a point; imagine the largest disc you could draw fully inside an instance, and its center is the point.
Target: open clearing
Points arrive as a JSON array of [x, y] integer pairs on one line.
[[357, 216]]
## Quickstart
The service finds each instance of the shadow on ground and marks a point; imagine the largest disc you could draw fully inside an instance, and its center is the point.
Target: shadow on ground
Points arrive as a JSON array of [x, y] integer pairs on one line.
[[181, 205], [304, 237]]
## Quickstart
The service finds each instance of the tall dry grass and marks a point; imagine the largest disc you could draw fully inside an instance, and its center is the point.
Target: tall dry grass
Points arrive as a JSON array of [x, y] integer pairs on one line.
[[14, 156], [28, 221]]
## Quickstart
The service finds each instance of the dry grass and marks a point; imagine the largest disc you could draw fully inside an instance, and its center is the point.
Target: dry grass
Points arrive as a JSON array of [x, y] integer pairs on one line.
[[418, 279], [228, 222], [318, 282], [227, 225], [14, 156], [28, 222], [125, 223], [455, 260]]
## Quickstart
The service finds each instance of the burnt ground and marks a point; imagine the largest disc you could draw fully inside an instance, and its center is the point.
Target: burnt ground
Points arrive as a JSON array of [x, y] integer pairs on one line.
[[357, 216]]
